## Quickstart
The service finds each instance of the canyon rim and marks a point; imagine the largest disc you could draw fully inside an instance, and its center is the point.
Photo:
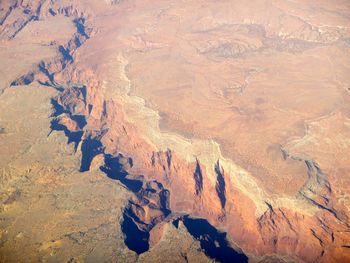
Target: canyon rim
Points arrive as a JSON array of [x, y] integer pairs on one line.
[[174, 131]]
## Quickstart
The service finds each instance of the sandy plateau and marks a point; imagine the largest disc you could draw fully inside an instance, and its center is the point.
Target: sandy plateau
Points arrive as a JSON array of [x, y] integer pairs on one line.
[[174, 131]]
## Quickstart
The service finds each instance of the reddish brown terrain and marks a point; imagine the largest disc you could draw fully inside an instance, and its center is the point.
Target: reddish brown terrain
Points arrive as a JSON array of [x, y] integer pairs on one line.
[[174, 131]]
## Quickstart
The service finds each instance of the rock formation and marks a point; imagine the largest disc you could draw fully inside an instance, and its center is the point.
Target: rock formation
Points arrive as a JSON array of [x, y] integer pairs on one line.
[[222, 128]]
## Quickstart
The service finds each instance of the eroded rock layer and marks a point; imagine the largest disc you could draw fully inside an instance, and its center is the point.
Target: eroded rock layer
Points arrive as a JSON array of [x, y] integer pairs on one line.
[[227, 122]]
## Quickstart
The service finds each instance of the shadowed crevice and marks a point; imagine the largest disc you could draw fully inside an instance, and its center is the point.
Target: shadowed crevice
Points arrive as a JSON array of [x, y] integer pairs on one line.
[[90, 147], [135, 239], [73, 137], [114, 170], [198, 179], [79, 23], [212, 241], [220, 184]]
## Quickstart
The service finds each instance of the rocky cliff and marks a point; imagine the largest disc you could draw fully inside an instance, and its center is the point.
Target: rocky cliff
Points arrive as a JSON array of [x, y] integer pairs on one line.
[[227, 122]]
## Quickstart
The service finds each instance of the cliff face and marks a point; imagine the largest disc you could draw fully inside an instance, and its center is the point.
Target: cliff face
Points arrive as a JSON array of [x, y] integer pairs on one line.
[[231, 112]]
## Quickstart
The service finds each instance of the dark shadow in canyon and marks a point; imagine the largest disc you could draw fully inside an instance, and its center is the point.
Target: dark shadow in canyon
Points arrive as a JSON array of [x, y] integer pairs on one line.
[[136, 232], [57, 108], [114, 170], [73, 137], [65, 54], [135, 239], [80, 26], [90, 147], [212, 241], [24, 80]]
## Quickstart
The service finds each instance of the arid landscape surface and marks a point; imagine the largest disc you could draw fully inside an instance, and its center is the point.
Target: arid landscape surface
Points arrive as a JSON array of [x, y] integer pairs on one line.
[[174, 131]]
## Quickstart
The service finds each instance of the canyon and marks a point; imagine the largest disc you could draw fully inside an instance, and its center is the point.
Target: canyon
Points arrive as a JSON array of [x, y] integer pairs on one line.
[[174, 131]]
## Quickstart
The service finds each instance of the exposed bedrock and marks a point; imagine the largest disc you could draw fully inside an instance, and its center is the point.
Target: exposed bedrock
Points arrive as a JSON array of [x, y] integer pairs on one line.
[[165, 186], [162, 183]]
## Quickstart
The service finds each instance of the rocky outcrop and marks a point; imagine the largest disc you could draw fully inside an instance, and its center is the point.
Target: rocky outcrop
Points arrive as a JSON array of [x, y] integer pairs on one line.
[[211, 201]]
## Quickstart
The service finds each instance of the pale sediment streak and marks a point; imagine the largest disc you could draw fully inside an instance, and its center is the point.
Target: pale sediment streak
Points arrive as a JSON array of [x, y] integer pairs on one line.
[[206, 151]]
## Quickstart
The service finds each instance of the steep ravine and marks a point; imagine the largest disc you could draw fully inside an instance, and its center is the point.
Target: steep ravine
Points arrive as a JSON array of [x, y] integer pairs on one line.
[[206, 190], [151, 203]]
